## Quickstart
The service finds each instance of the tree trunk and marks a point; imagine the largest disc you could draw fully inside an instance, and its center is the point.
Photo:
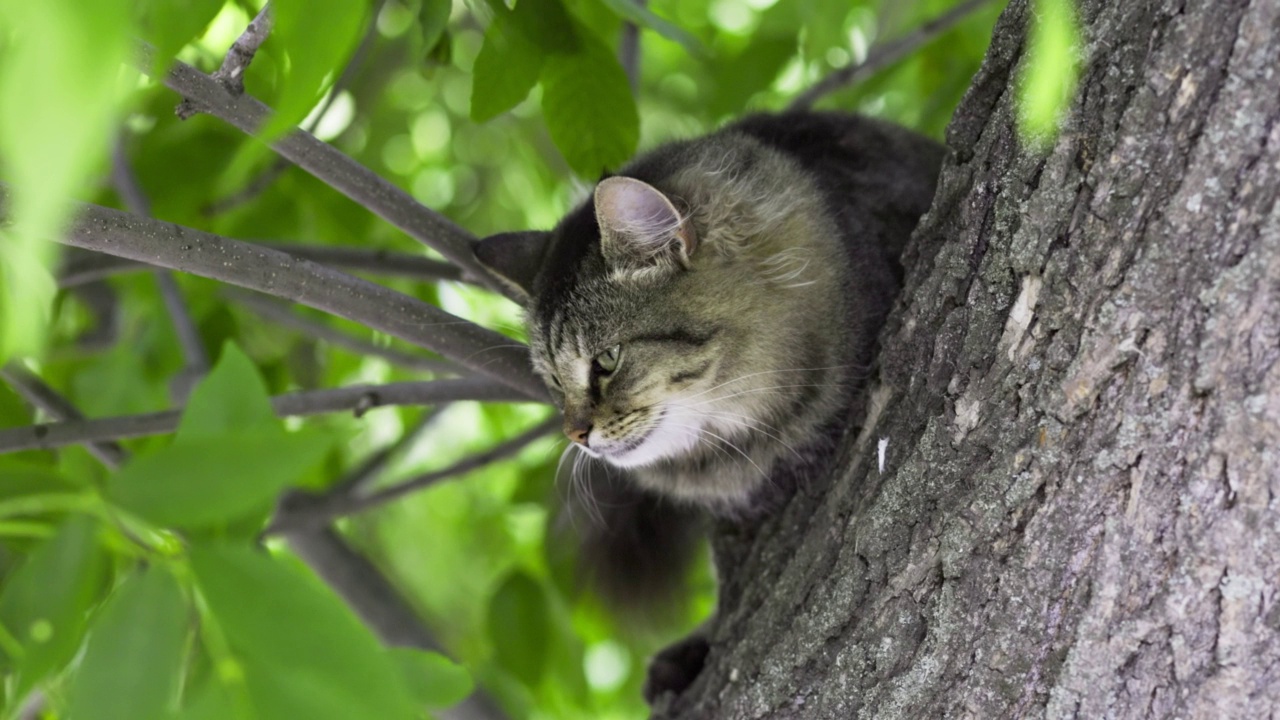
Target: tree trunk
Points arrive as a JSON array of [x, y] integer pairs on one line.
[[1076, 514]]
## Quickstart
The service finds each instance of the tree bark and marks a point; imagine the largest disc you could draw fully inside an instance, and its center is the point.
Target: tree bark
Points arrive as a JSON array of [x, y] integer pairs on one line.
[[1077, 512]]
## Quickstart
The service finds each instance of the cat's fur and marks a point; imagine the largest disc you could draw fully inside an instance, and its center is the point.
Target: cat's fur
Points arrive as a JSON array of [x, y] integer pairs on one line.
[[743, 276]]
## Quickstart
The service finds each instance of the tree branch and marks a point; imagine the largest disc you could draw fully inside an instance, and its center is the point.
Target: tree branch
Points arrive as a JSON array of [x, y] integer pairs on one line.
[[84, 266], [319, 511], [35, 391], [885, 54], [334, 169], [275, 273], [280, 313], [231, 74], [356, 398]]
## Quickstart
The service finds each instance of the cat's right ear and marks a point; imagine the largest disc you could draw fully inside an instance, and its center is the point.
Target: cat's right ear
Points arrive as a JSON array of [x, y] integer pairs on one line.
[[640, 227], [515, 257]]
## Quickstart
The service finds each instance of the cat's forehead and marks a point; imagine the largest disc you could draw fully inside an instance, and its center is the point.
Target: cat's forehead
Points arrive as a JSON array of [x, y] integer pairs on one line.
[[598, 312]]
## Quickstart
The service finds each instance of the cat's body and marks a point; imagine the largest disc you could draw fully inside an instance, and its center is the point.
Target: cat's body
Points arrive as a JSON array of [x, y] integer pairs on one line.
[[704, 321], [735, 353]]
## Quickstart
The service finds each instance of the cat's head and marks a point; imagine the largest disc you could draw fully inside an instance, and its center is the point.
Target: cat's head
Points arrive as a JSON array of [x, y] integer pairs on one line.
[[657, 335]]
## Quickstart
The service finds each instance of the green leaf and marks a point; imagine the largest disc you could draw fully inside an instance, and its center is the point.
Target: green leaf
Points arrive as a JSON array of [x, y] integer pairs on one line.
[[319, 36], [519, 627], [215, 479], [505, 71], [433, 18], [825, 26], [45, 602], [19, 478], [231, 398], [60, 62], [1050, 69], [170, 24], [637, 13], [213, 701], [303, 653], [133, 660], [588, 108], [545, 23], [435, 681]]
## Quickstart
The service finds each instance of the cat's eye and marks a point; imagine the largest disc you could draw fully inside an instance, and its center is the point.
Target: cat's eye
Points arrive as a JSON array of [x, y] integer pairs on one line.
[[608, 360], [555, 382]]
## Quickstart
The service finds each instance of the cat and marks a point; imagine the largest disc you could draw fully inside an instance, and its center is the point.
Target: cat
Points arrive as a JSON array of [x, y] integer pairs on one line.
[[704, 320]]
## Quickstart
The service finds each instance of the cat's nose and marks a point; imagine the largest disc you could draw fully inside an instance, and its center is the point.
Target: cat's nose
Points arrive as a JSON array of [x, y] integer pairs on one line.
[[577, 431]]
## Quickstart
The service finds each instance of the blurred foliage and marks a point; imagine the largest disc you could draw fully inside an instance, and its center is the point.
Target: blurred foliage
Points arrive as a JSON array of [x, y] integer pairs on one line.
[[482, 110], [1048, 80]]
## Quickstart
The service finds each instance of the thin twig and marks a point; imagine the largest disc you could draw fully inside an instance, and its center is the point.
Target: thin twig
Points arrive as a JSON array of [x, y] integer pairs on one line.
[[357, 398], [319, 512], [280, 313], [629, 51], [194, 354], [251, 190], [335, 169], [885, 54], [35, 391], [83, 266], [367, 472], [103, 304], [231, 74], [256, 268], [259, 184]]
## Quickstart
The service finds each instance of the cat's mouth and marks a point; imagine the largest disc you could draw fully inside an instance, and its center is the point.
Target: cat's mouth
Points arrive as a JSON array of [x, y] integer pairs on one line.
[[621, 452], [666, 436]]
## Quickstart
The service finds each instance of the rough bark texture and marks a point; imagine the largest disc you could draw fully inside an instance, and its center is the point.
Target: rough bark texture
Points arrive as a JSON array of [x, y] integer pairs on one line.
[[1077, 516]]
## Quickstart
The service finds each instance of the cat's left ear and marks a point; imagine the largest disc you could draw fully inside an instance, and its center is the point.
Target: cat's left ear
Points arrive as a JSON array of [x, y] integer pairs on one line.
[[640, 227], [516, 258]]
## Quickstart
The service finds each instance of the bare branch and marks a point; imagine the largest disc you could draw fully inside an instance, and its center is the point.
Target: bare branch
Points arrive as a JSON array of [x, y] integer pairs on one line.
[[334, 169], [275, 273], [36, 392], [885, 54], [356, 398], [84, 266], [280, 313], [319, 511]]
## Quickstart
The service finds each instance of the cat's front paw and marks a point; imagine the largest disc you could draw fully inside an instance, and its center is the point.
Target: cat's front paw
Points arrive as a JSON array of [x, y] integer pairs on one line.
[[675, 667]]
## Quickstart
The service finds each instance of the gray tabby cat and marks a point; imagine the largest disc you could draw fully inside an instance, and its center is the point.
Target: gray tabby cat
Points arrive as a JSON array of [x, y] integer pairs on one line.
[[704, 320]]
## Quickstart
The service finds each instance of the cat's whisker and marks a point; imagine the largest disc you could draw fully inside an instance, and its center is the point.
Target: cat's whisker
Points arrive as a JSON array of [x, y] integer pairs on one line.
[[765, 372], [751, 424], [768, 389]]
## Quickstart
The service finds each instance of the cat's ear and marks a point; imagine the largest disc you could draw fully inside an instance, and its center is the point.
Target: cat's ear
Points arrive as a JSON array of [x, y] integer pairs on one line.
[[640, 227], [516, 257]]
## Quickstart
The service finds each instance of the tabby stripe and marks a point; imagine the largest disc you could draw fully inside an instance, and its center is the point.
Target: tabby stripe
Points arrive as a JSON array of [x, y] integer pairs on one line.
[[682, 337], [691, 374]]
